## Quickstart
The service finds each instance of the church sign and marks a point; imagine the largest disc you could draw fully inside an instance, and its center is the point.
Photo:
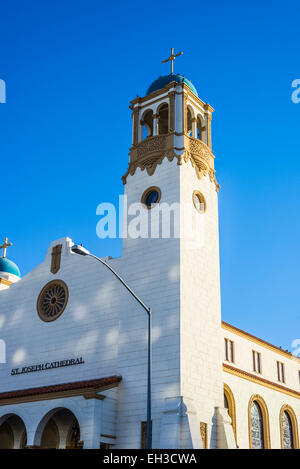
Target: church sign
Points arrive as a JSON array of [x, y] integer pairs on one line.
[[47, 366]]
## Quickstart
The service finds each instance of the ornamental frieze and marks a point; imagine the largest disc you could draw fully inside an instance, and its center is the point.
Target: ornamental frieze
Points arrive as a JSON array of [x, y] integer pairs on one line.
[[154, 144], [150, 153], [197, 147]]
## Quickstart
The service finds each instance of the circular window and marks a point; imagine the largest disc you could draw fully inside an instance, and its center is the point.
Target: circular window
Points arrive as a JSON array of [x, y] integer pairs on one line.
[[151, 197], [52, 300], [199, 201]]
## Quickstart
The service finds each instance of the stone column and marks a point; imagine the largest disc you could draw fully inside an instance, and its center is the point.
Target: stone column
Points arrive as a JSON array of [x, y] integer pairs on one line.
[[155, 124], [172, 111], [184, 111], [90, 429], [135, 125], [208, 129], [194, 127]]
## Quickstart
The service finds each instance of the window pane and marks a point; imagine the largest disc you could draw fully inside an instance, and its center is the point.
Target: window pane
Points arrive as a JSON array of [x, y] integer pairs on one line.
[[287, 431], [231, 351], [258, 363], [253, 357], [226, 349], [282, 373], [257, 430]]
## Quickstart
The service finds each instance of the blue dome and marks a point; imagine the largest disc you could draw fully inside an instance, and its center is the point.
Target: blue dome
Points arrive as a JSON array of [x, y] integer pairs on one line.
[[9, 267], [161, 82]]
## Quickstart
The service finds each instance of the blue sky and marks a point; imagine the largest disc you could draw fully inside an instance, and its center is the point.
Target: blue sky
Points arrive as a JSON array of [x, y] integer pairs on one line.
[[64, 139]]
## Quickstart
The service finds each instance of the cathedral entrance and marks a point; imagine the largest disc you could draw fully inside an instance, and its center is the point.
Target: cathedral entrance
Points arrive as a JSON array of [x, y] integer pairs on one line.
[[12, 433], [73, 439], [50, 436], [61, 430]]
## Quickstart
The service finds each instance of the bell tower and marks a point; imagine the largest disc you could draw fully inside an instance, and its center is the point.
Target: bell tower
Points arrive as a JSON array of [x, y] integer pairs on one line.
[[171, 121], [172, 164]]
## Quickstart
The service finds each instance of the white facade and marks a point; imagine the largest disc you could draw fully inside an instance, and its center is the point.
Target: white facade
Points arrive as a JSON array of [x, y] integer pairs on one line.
[[106, 330]]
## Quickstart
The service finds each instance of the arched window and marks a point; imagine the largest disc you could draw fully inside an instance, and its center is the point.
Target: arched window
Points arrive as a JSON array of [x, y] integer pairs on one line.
[[163, 119], [257, 427], [189, 121], [288, 428], [229, 404], [259, 432], [147, 123], [200, 128], [287, 431]]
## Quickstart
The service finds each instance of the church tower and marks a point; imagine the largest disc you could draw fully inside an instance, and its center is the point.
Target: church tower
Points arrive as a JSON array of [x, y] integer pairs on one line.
[[171, 172]]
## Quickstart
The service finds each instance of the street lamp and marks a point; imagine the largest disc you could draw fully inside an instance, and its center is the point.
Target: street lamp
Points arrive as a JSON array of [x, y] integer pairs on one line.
[[78, 249]]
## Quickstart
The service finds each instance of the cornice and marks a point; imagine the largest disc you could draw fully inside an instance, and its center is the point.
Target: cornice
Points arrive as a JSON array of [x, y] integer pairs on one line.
[[88, 389], [149, 97], [173, 84], [258, 380], [259, 341]]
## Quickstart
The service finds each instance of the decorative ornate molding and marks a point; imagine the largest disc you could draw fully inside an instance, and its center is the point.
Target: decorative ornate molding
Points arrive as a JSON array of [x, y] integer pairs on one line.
[[149, 153], [201, 158], [52, 300], [150, 145], [258, 380], [56, 258], [203, 433]]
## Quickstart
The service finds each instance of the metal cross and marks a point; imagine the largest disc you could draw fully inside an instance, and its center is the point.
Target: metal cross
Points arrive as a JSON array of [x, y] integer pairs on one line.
[[172, 58], [4, 247]]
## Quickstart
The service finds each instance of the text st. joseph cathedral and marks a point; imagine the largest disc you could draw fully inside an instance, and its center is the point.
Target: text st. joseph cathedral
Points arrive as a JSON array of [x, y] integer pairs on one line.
[[76, 341]]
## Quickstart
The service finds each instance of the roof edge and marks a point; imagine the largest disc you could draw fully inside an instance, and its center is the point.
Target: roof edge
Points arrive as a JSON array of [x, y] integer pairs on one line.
[[228, 326], [54, 391]]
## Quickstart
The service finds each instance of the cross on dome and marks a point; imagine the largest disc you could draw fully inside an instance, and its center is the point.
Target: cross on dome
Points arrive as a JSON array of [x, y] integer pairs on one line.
[[4, 246], [172, 58]]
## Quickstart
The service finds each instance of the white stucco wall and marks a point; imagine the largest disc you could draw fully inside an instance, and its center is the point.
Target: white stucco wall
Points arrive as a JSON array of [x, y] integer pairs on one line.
[[243, 388]]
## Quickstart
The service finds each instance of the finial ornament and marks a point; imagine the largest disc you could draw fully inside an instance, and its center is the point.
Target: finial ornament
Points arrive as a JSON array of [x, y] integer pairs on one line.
[[5, 246], [172, 58]]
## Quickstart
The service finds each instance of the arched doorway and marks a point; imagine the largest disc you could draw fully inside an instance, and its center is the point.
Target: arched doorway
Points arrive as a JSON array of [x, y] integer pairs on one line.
[[50, 435], [59, 429], [6, 436], [12, 432], [73, 438]]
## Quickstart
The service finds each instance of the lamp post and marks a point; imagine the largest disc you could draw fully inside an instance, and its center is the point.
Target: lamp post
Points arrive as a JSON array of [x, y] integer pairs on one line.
[[78, 249]]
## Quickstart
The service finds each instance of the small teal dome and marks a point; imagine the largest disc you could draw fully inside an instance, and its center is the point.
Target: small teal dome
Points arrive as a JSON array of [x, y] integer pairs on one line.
[[161, 82], [9, 267]]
